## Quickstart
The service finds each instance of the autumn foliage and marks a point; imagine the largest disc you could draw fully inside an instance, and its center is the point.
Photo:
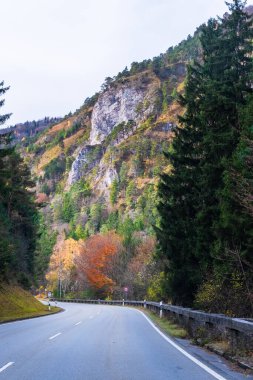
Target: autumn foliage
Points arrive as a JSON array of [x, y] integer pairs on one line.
[[41, 199], [84, 264], [61, 265], [94, 261]]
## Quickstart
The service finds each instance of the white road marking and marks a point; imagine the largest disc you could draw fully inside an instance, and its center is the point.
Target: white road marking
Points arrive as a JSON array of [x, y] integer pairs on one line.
[[189, 356], [6, 366], [78, 323], [54, 336]]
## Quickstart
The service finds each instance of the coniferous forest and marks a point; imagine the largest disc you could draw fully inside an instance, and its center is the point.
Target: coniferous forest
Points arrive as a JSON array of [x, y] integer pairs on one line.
[[17, 212], [206, 233], [159, 202]]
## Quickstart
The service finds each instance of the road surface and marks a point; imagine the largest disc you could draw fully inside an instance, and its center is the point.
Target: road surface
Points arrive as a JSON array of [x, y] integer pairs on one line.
[[97, 342]]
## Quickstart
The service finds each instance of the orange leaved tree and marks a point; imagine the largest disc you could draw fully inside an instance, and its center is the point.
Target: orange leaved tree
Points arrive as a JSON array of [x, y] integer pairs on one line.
[[95, 260]]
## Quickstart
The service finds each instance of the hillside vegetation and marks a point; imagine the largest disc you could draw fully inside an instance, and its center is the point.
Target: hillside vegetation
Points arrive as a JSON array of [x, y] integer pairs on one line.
[[146, 190], [16, 303], [89, 191], [206, 229]]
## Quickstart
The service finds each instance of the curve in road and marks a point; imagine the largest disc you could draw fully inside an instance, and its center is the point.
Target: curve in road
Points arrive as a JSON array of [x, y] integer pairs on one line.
[[97, 342]]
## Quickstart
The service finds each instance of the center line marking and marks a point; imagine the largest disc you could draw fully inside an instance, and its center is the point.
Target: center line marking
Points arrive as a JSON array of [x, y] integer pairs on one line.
[[6, 366], [78, 323], [54, 336]]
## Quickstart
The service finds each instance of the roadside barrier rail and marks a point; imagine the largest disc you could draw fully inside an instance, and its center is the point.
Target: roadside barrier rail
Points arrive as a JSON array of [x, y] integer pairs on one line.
[[199, 324]]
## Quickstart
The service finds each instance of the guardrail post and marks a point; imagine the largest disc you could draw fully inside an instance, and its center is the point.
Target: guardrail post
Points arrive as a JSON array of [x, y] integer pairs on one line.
[[161, 310]]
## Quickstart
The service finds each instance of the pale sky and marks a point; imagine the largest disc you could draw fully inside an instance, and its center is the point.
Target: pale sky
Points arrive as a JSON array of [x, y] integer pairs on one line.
[[55, 53]]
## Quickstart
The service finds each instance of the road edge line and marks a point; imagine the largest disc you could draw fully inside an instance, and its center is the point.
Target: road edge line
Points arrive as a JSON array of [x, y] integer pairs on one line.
[[185, 353], [6, 366]]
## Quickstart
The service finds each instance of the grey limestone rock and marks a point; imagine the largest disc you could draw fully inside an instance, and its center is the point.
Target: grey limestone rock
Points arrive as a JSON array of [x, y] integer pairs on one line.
[[134, 99], [86, 159], [128, 101]]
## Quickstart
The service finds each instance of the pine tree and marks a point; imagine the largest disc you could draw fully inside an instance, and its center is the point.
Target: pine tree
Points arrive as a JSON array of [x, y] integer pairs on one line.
[[114, 191], [228, 69], [234, 245], [17, 210], [190, 197], [6, 247], [177, 192]]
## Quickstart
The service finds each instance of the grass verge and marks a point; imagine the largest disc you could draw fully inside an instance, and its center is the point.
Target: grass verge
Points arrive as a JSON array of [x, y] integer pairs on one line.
[[166, 325], [16, 303]]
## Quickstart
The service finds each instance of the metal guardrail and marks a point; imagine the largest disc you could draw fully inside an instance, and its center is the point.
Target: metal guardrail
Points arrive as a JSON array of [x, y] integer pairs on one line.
[[185, 315], [202, 326]]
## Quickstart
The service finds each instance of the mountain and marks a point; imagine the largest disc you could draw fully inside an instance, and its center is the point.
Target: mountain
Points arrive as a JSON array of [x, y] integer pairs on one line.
[[97, 170], [96, 175], [137, 103], [32, 128]]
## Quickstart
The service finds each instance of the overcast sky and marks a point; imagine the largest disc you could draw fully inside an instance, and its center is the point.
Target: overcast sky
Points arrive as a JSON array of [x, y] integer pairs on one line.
[[55, 53]]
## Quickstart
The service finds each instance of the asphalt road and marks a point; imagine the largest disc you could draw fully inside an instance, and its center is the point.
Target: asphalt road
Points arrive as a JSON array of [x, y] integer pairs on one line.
[[97, 342]]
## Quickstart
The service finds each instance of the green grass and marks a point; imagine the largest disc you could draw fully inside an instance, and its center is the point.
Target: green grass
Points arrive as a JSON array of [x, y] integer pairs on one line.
[[166, 325], [16, 303]]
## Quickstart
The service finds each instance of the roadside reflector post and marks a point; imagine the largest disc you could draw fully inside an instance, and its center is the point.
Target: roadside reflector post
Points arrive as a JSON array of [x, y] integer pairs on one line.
[[161, 309], [49, 306], [123, 302], [145, 304]]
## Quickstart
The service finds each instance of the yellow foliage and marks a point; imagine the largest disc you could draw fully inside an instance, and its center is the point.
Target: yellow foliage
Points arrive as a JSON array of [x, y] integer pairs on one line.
[[141, 183], [168, 169], [62, 260], [63, 126], [48, 156], [181, 87], [69, 141]]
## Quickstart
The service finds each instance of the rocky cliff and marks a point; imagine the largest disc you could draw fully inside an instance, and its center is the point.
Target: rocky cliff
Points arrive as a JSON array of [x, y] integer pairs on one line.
[[100, 165], [134, 99]]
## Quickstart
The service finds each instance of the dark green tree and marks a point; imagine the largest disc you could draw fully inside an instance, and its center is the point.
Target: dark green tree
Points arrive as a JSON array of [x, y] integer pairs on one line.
[[17, 211], [190, 197], [6, 246], [114, 191]]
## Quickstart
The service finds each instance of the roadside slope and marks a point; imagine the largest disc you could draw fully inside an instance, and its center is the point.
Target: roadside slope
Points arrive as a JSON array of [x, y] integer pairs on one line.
[[16, 303]]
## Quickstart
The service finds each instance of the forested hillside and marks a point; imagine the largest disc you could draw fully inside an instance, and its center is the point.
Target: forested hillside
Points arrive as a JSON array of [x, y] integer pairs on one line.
[[96, 177], [146, 190]]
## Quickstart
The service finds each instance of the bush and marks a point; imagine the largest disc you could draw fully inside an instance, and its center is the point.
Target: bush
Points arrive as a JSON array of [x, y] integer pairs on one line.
[[224, 295]]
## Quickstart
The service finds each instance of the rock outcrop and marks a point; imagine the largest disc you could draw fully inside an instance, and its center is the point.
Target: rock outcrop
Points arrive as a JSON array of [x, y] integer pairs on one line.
[[132, 100], [86, 159]]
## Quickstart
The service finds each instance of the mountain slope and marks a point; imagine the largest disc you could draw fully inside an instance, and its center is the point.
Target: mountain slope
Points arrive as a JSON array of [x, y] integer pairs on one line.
[[97, 170]]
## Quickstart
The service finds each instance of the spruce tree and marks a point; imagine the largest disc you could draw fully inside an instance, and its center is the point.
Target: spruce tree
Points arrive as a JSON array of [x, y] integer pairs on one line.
[[17, 210], [190, 197], [177, 192], [6, 247], [229, 71]]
